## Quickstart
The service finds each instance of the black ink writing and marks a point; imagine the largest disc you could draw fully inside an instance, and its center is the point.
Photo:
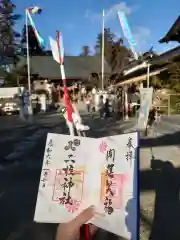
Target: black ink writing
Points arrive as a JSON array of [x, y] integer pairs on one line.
[[69, 172], [129, 144], [50, 143], [109, 191], [129, 153], [110, 155], [108, 206], [72, 145], [44, 179], [48, 153]]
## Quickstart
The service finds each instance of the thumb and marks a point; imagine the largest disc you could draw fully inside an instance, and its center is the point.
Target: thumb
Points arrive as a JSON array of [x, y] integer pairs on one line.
[[83, 217]]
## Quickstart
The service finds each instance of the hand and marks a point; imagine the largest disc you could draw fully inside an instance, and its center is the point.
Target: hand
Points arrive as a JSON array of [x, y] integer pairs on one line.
[[71, 230]]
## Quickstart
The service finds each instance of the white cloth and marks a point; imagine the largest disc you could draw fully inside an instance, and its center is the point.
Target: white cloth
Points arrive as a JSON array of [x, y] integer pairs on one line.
[[80, 127], [76, 118], [77, 121]]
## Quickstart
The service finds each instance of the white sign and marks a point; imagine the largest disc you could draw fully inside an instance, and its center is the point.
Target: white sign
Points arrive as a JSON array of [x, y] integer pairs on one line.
[[146, 101], [110, 164]]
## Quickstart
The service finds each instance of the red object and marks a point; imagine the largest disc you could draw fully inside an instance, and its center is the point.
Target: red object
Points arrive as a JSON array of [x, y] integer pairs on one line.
[[66, 97], [87, 232]]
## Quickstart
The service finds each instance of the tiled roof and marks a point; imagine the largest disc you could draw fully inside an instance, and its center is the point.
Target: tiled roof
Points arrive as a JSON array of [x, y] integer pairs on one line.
[[166, 56], [75, 66], [173, 34]]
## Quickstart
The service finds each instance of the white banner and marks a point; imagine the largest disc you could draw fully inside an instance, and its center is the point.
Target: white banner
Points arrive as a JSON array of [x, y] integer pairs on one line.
[[54, 48], [146, 101]]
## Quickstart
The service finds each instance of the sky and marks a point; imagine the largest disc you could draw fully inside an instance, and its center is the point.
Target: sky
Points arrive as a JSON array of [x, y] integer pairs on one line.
[[81, 20]]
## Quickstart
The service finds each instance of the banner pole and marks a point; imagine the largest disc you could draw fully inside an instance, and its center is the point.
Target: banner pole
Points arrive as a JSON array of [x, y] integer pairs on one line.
[[30, 112], [66, 97], [103, 51]]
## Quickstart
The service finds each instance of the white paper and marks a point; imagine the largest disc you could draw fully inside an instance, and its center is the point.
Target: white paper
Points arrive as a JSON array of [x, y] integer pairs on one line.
[[91, 163], [123, 221], [48, 208]]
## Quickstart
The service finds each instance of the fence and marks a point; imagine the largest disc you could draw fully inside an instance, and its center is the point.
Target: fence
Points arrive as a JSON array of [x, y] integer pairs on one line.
[[168, 104]]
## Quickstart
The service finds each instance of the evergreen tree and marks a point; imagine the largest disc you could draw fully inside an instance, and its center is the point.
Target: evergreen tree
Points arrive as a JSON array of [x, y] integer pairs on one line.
[[120, 56], [115, 53], [85, 51], [9, 38], [108, 43], [34, 47]]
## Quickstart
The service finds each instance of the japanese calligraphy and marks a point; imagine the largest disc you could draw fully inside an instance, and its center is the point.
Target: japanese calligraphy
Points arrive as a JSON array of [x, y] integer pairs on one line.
[[47, 162], [48, 153], [72, 145], [45, 175], [68, 172], [61, 185], [80, 172], [110, 157], [129, 153], [113, 189]]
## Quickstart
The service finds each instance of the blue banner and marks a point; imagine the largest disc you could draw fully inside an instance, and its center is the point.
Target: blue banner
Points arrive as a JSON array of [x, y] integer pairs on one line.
[[127, 32]]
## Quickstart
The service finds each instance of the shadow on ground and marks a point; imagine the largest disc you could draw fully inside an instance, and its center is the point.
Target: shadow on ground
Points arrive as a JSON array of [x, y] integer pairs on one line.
[[164, 140], [164, 179]]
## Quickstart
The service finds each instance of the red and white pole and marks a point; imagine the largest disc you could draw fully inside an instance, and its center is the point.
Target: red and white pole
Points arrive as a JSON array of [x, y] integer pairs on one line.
[[66, 96]]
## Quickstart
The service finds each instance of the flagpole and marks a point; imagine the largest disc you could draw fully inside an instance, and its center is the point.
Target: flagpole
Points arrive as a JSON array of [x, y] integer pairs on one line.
[[70, 123], [28, 65], [103, 51]]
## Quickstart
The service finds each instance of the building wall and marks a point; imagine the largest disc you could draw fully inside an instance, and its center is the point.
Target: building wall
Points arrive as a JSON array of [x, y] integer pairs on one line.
[[40, 85]]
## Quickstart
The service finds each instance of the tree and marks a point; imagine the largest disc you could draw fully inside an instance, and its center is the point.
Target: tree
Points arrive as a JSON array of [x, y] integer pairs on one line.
[[34, 47], [116, 54], [108, 44], [85, 51], [174, 77], [18, 76], [156, 82], [9, 38], [120, 56]]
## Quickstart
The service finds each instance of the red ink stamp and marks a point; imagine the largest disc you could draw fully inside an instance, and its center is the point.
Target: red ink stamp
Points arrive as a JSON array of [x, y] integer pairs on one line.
[[103, 147], [117, 183], [76, 190], [74, 206]]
